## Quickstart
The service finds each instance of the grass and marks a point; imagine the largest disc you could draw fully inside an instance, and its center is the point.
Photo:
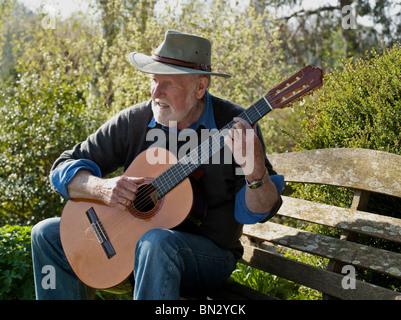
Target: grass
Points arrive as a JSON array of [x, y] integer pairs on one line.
[[272, 285]]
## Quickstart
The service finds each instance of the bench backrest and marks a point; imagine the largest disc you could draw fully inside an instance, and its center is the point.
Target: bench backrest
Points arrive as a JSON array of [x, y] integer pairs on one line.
[[364, 171]]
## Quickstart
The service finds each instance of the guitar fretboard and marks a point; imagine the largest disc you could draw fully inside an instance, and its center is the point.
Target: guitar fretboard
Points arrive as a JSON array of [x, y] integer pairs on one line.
[[200, 155]]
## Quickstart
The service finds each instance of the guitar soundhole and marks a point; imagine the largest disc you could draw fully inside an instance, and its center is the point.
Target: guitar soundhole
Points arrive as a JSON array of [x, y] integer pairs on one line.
[[146, 203]]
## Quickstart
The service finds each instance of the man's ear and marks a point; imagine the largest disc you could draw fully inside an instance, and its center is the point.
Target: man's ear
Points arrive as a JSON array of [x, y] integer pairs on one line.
[[203, 83]]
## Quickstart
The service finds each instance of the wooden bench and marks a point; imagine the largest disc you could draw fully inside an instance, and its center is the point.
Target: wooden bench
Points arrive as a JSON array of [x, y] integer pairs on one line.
[[365, 172]]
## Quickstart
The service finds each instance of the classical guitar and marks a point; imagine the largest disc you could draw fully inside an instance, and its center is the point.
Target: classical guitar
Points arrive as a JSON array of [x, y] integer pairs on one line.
[[99, 241]]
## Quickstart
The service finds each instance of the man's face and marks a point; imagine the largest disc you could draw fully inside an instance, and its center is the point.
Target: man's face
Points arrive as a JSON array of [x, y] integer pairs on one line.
[[173, 97]]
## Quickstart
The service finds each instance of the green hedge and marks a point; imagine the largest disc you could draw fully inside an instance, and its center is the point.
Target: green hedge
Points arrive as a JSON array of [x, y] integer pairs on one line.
[[358, 107], [16, 273]]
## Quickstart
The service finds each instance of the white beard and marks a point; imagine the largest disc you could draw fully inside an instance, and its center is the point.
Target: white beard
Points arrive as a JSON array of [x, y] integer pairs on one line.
[[167, 115]]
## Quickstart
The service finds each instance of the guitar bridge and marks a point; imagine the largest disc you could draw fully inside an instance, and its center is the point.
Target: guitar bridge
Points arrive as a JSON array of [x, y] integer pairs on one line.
[[100, 233]]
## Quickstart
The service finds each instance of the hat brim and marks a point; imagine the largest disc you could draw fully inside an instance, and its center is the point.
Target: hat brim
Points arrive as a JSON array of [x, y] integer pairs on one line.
[[146, 64]]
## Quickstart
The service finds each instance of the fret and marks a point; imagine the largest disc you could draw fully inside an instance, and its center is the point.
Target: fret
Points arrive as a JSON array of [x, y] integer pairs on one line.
[[267, 103], [258, 112], [247, 118]]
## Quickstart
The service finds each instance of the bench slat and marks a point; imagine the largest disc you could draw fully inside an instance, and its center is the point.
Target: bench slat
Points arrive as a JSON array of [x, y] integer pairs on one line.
[[375, 225], [313, 277], [379, 260], [363, 169]]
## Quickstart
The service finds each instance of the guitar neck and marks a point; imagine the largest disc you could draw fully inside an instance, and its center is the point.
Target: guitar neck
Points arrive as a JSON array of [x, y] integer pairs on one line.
[[200, 155]]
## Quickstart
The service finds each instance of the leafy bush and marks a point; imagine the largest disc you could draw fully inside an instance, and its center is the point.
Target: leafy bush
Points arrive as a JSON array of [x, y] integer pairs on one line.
[[45, 110], [16, 277], [358, 107]]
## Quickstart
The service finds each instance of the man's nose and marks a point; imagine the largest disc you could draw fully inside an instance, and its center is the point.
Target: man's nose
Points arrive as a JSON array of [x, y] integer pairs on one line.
[[157, 91]]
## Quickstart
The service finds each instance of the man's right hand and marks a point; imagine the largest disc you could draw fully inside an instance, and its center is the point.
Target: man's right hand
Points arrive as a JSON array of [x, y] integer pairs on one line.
[[118, 192]]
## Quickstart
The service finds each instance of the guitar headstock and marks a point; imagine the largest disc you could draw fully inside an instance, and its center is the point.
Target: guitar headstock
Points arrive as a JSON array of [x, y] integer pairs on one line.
[[295, 87]]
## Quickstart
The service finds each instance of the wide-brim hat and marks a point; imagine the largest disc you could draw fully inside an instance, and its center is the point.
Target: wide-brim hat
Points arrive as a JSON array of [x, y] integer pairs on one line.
[[179, 53]]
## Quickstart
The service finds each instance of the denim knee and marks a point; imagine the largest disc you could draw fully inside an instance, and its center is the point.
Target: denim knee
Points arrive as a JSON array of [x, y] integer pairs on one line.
[[46, 230], [154, 238], [158, 245]]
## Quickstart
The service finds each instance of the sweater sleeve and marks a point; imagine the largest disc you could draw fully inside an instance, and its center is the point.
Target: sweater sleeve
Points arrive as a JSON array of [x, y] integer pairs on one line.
[[114, 145], [244, 215], [63, 174]]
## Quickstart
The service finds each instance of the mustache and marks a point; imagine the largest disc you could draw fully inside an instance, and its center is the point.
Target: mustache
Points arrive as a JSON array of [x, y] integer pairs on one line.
[[161, 101]]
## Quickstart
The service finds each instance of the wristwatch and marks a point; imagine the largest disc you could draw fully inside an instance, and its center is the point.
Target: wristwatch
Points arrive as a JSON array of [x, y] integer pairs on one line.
[[257, 183]]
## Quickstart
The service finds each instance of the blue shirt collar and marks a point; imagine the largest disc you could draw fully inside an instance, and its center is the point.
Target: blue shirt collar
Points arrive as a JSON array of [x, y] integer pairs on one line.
[[206, 119]]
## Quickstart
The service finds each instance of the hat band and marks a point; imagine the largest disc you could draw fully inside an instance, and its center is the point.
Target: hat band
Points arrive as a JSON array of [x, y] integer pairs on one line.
[[192, 65]]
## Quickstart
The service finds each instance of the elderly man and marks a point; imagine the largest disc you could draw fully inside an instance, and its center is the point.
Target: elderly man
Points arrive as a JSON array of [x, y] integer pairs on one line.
[[166, 261]]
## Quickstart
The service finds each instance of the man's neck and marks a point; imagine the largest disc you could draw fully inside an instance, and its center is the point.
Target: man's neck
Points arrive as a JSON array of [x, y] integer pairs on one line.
[[192, 116]]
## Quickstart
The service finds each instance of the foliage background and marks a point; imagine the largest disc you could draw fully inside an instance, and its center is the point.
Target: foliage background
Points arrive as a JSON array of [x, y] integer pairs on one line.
[[58, 85], [66, 81], [15, 263]]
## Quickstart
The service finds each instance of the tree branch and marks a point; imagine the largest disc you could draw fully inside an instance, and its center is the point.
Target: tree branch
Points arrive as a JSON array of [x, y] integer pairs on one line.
[[310, 12]]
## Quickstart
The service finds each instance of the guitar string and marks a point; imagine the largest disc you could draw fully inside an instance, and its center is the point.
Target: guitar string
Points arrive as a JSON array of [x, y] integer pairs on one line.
[[144, 200], [249, 113], [184, 161], [116, 219]]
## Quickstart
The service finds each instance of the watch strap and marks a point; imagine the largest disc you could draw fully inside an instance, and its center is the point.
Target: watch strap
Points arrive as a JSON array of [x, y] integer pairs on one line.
[[257, 183]]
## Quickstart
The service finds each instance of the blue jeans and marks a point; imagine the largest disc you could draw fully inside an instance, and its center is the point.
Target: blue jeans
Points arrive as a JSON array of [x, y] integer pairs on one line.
[[167, 262]]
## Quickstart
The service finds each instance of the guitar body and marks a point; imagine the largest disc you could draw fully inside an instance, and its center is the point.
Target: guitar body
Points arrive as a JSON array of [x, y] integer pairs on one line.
[[123, 229]]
